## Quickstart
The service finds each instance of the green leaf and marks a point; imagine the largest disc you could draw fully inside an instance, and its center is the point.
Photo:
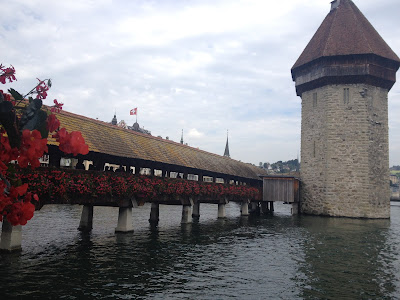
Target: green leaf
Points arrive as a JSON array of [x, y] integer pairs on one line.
[[42, 124], [38, 121], [15, 94], [8, 120], [30, 115]]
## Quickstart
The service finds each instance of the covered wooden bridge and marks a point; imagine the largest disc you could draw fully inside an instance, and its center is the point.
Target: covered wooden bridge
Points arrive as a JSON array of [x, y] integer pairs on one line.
[[136, 152]]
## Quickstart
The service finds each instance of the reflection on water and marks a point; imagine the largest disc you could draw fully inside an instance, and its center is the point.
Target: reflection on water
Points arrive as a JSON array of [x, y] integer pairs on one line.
[[349, 258], [244, 258]]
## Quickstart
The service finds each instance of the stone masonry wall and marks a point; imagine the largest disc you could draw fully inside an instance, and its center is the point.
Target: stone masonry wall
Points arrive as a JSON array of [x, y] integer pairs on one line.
[[344, 152]]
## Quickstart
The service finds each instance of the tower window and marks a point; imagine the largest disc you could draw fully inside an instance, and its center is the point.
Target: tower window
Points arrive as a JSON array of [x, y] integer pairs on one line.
[[315, 100], [346, 96]]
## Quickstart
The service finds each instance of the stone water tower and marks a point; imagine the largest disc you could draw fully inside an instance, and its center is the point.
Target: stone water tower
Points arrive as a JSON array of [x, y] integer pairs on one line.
[[343, 77]]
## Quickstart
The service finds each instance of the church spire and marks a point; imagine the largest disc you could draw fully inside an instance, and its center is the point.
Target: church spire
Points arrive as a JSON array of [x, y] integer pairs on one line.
[[182, 137], [226, 153]]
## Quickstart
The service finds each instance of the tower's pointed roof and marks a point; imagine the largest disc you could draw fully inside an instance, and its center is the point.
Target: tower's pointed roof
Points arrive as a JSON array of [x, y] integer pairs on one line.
[[345, 31], [226, 153], [346, 49]]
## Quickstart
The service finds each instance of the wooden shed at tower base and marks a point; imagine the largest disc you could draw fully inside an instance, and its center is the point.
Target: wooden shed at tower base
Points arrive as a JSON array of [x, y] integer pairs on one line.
[[281, 189]]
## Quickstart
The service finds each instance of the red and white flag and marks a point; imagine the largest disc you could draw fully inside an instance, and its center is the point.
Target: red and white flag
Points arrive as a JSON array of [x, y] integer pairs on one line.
[[133, 111]]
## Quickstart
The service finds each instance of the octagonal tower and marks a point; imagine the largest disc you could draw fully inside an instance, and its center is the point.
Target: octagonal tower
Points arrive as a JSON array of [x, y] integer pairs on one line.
[[343, 77]]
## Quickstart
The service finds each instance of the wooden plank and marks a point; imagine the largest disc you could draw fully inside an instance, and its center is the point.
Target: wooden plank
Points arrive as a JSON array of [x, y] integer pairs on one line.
[[280, 189]]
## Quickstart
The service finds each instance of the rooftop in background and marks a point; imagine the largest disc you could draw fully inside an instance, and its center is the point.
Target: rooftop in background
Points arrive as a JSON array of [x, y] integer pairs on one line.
[[134, 127]]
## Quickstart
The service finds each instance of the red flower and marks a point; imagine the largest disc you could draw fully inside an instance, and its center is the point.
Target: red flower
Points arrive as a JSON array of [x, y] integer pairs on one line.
[[52, 123], [71, 142], [18, 191], [41, 89], [5, 201], [7, 73], [7, 97], [32, 147], [15, 202], [6, 153], [3, 167], [20, 213], [57, 106]]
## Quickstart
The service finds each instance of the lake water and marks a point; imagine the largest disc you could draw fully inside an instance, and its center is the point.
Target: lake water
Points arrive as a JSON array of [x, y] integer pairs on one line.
[[267, 257]]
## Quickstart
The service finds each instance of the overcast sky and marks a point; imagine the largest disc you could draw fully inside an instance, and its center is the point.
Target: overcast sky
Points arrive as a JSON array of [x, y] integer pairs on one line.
[[201, 66]]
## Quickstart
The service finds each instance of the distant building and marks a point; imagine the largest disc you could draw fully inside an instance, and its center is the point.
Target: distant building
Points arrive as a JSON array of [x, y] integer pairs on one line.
[[134, 127], [137, 128], [394, 180]]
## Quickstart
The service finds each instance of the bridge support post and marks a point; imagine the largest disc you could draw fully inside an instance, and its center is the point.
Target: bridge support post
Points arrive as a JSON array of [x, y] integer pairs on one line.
[[186, 214], [264, 207], [11, 237], [254, 209], [221, 210], [154, 213], [295, 208], [86, 223], [124, 220], [196, 210], [244, 209]]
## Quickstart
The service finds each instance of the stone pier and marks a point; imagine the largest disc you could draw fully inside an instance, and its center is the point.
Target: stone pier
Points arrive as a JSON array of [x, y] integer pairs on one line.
[[86, 223], [196, 210], [221, 210], [124, 220], [254, 209], [264, 208], [11, 237], [244, 208], [154, 213], [186, 214], [295, 208]]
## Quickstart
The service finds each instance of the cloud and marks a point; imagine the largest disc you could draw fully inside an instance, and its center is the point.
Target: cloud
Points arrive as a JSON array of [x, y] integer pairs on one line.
[[195, 134], [202, 66]]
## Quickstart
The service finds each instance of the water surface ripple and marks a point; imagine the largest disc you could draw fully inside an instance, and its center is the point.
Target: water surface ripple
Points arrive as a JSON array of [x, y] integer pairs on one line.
[[270, 257]]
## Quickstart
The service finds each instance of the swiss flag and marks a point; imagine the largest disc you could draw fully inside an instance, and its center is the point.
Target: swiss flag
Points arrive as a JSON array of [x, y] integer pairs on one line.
[[133, 111]]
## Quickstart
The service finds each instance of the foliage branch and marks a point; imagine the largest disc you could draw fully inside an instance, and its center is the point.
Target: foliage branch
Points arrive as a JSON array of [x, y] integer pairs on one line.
[[25, 125]]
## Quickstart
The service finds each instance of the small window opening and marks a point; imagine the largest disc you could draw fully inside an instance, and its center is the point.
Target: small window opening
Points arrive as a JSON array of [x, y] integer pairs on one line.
[[314, 150], [346, 96], [315, 100]]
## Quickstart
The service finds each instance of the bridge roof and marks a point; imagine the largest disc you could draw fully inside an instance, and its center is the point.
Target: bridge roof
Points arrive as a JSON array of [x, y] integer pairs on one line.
[[109, 139]]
